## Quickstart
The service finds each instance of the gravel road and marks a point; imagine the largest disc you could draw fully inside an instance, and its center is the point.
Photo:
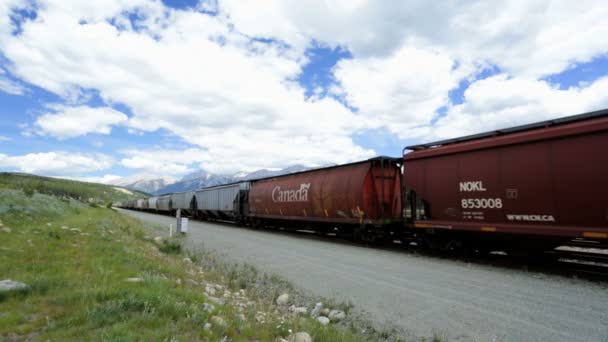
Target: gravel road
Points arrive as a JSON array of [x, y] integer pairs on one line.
[[421, 294]]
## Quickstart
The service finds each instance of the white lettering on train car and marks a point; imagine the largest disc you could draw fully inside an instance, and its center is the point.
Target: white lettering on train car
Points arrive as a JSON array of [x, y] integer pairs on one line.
[[533, 218], [471, 186], [299, 195], [481, 203]]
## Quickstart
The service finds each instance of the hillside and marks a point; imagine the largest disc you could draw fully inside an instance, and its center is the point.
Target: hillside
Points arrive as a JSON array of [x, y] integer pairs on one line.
[[82, 191]]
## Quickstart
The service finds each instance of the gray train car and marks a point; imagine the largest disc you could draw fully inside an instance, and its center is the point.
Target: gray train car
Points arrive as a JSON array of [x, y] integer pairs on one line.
[[223, 202], [164, 203], [184, 201], [152, 203], [139, 204]]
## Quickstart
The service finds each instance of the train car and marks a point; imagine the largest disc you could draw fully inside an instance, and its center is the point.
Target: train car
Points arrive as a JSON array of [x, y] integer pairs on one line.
[[360, 199], [139, 204], [152, 203], [223, 202], [145, 204], [184, 201], [164, 203], [534, 186]]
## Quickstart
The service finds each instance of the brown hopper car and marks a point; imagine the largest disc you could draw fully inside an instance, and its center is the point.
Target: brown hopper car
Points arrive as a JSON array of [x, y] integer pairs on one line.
[[547, 180], [361, 198]]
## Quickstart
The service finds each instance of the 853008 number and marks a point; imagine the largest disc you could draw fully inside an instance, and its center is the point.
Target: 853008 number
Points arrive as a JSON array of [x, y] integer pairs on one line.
[[481, 203]]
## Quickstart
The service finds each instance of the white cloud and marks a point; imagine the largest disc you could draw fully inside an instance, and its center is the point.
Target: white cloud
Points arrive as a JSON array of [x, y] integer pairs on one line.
[[3, 138], [9, 86], [401, 91], [70, 122], [203, 79], [532, 38], [198, 79], [162, 162], [500, 102], [56, 163], [105, 179]]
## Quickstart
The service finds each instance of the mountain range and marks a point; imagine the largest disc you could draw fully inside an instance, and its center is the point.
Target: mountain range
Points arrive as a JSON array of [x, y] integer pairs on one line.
[[143, 182], [197, 180]]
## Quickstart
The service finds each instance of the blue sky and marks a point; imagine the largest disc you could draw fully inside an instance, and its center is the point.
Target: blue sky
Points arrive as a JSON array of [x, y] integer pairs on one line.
[[166, 88]]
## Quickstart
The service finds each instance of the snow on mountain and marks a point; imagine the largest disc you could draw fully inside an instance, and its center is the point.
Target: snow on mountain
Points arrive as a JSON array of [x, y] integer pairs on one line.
[[143, 182]]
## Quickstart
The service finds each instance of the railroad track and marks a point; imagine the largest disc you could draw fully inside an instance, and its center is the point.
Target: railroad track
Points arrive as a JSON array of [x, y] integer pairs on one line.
[[591, 261]]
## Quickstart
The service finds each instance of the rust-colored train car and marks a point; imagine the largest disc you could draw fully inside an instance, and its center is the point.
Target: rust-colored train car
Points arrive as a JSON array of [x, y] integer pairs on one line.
[[547, 181], [361, 198]]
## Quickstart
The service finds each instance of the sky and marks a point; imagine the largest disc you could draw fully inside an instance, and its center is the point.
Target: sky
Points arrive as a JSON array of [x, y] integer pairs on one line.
[[98, 90]]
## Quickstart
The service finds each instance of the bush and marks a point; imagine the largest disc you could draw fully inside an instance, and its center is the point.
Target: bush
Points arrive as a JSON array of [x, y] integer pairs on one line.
[[29, 192], [109, 205], [170, 247]]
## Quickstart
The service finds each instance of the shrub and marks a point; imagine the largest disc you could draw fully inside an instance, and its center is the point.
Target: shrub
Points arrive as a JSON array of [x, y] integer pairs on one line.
[[29, 192], [170, 247]]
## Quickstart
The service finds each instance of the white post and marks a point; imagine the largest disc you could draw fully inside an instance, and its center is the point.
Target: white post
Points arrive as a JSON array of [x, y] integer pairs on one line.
[[179, 221], [184, 225], [170, 230]]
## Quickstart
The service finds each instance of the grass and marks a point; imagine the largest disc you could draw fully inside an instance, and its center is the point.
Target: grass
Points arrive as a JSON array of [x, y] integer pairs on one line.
[[77, 258]]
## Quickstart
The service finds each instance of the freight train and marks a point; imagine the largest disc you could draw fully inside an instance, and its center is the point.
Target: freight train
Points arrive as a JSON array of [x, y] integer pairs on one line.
[[525, 188]]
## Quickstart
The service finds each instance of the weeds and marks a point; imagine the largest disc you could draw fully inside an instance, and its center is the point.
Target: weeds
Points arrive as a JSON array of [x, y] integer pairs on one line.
[[170, 247]]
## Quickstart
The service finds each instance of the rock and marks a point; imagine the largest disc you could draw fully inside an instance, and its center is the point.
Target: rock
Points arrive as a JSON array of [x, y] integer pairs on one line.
[[6, 229], [218, 287], [324, 312], [208, 307], [49, 224], [7, 285], [65, 227], [323, 320], [207, 326], [76, 230], [316, 311], [283, 299], [336, 315], [134, 280], [187, 260], [215, 300], [192, 282], [260, 317], [298, 310], [210, 290], [158, 239], [218, 320], [299, 337], [178, 281]]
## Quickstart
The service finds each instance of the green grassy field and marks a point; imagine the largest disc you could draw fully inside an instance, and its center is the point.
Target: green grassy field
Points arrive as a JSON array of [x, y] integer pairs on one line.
[[77, 259]]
